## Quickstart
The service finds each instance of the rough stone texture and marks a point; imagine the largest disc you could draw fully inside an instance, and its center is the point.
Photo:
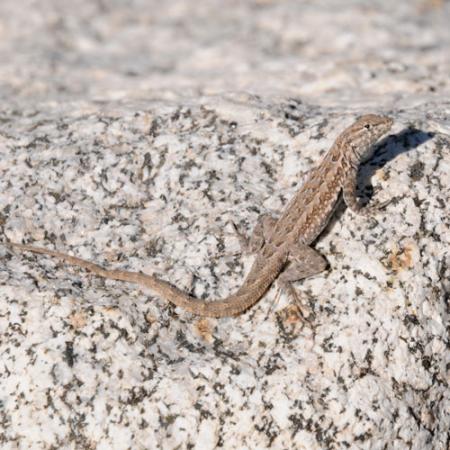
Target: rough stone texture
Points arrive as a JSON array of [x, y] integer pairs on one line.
[[132, 133]]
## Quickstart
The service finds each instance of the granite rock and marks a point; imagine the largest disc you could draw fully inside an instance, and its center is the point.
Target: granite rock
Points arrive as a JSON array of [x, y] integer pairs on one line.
[[133, 135]]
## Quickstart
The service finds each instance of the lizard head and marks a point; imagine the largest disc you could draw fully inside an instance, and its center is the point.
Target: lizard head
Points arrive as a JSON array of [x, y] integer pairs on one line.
[[364, 133]]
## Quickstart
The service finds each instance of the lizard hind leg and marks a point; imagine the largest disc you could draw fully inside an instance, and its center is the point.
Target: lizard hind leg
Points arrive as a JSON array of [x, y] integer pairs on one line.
[[304, 262], [259, 234]]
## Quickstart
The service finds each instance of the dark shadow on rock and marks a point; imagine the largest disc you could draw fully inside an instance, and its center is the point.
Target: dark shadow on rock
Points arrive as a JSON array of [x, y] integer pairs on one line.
[[387, 150]]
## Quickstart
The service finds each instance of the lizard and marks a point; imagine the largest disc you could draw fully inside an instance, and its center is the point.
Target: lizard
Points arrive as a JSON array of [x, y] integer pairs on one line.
[[282, 246]]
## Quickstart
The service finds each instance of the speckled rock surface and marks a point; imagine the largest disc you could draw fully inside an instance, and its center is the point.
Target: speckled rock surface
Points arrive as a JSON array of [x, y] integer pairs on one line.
[[132, 135]]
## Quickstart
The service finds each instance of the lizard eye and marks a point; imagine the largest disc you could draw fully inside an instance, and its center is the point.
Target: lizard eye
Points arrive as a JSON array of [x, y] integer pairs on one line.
[[367, 126]]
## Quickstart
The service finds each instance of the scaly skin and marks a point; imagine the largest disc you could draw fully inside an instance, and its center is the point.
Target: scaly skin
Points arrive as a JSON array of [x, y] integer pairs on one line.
[[302, 221]]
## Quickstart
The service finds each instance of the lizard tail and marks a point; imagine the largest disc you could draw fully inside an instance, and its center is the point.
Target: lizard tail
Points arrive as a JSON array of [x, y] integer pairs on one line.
[[251, 291]]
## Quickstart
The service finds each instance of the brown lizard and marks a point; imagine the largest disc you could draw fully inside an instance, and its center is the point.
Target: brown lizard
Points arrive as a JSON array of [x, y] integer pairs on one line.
[[282, 245]]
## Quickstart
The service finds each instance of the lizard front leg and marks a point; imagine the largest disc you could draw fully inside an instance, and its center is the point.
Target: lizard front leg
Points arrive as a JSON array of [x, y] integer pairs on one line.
[[349, 190]]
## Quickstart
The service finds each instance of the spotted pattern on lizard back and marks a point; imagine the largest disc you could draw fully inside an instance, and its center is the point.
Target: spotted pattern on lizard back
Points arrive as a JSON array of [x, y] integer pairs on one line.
[[284, 250]]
